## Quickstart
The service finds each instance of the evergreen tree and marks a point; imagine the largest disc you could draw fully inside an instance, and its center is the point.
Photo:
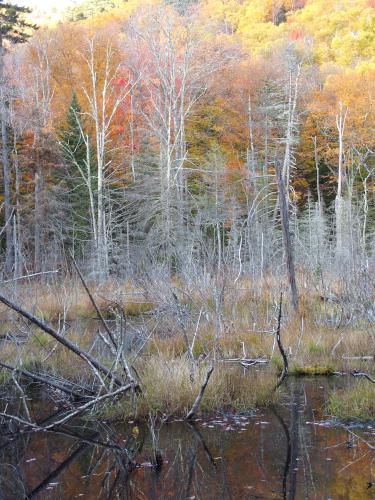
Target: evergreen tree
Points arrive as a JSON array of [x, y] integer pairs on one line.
[[89, 8], [77, 180], [181, 6]]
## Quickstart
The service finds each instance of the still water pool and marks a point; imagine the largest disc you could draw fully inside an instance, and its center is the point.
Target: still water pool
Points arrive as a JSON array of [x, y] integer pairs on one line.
[[287, 451]]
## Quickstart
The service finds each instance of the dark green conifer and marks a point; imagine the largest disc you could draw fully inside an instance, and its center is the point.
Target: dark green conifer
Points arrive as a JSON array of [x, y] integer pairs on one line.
[[76, 176]]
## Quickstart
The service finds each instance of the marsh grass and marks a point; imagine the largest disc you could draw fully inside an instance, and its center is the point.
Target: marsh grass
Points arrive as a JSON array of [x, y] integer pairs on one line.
[[245, 325], [315, 369], [168, 390], [356, 402]]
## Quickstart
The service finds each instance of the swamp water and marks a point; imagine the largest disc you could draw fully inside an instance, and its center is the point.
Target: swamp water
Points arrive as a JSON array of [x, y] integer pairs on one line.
[[286, 451]]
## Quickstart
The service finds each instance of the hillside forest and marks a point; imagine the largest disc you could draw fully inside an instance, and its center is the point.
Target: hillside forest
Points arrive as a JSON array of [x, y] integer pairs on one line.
[[141, 134]]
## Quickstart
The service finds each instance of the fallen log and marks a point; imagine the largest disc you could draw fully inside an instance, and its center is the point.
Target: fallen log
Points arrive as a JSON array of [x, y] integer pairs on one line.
[[88, 358], [249, 361]]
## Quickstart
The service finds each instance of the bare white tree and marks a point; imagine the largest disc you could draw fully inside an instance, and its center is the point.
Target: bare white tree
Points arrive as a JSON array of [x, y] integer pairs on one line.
[[104, 98], [168, 51]]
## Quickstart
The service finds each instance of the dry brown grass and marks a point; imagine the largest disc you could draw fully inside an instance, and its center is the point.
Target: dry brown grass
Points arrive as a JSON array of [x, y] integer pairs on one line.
[[168, 390], [69, 300]]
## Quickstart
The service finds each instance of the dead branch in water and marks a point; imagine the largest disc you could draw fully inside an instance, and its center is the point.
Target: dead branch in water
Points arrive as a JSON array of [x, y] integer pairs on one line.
[[90, 404], [245, 361], [369, 445], [197, 402], [284, 373], [65, 387], [112, 339], [88, 358], [356, 373], [72, 414], [361, 358]]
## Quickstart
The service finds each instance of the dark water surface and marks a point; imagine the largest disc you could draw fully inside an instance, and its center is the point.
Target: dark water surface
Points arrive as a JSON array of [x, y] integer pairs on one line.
[[286, 451]]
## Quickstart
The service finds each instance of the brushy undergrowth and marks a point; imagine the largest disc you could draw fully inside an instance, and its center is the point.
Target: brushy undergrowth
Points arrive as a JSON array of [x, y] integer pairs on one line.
[[353, 403]]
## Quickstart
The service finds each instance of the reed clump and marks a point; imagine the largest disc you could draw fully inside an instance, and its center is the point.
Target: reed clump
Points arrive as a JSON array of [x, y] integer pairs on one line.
[[356, 402], [169, 388]]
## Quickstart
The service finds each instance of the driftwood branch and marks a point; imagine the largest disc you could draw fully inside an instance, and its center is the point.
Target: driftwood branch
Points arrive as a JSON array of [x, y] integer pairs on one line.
[[285, 370], [245, 361], [63, 340], [197, 402]]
